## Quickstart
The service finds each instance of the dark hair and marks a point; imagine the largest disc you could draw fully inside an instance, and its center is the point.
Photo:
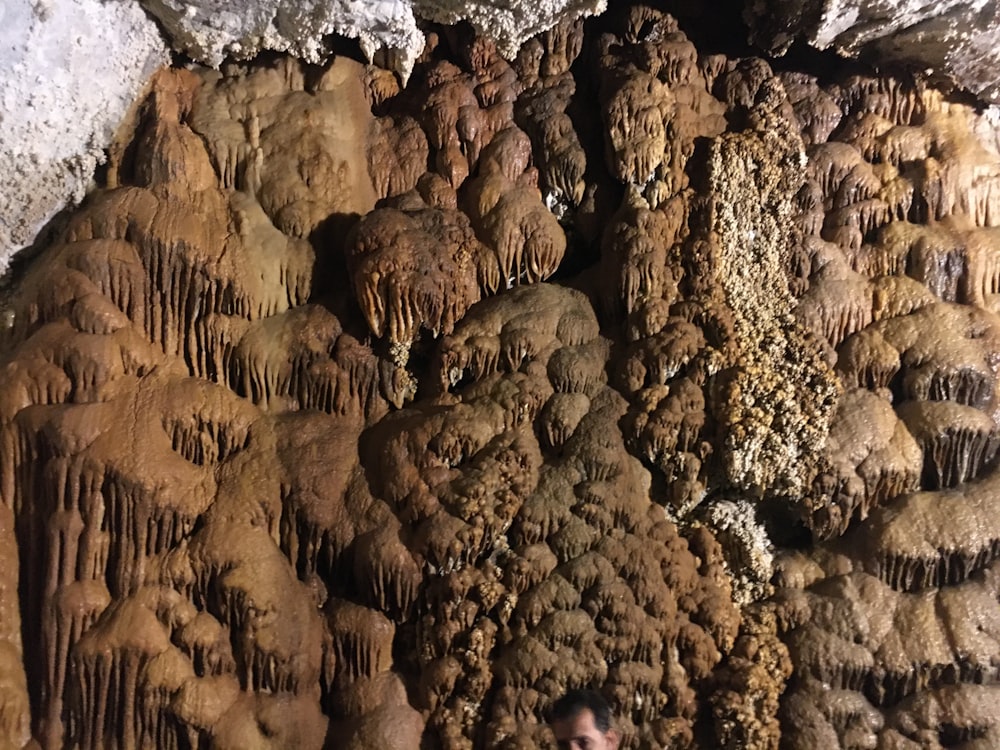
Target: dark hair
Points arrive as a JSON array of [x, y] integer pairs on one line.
[[576, 701]]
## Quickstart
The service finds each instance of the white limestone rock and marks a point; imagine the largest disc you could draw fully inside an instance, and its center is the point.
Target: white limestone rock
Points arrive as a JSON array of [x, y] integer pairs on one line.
[[210, 30], [957, 40], [510, 23], [746, 547], [69, 70]]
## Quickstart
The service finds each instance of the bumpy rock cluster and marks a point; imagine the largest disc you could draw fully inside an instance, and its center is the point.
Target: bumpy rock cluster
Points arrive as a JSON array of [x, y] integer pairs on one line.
[[353, 414], [891, 624]]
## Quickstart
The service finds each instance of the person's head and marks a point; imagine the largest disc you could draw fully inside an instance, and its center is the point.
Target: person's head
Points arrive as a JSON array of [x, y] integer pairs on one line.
[[581, 720]]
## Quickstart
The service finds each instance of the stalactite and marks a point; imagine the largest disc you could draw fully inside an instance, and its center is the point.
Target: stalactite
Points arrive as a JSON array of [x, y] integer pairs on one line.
[[381, 413]]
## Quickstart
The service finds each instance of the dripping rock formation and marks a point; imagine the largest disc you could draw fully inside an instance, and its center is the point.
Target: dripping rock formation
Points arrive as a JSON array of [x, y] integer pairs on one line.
[[350, 411], [96, 57]]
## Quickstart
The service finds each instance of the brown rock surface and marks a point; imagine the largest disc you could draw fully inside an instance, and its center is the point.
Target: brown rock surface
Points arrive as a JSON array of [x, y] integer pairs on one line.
[[889, 628], [353, 414]]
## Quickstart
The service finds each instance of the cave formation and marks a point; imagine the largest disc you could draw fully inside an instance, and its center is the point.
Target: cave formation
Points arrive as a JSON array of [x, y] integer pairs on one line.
[[352, 414]]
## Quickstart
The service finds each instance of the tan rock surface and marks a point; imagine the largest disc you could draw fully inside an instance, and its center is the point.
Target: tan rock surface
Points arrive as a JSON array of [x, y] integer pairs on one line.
[[353, 414]]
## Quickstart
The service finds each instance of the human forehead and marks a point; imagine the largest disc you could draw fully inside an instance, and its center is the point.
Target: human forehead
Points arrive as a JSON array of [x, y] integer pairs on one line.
[[578, 724]]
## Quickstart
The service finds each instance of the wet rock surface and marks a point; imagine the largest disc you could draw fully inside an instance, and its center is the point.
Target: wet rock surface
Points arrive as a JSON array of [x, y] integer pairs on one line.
[[348, 413]]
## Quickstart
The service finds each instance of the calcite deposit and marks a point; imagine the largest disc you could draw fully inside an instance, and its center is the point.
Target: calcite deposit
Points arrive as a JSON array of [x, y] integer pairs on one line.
[[890, 625], [954, 41], [95, 59], [352, 411]]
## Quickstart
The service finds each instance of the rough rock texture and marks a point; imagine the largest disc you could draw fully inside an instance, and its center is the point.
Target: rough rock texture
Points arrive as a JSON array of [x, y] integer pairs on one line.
[[211, 580], [15, 710], [867, 658], [209, 30], [779, 399], [94, 58], [348, 413], [890, 627], [957, 39]]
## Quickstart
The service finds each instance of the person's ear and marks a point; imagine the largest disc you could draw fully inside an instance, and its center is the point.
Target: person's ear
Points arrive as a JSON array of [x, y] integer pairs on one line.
[[612, 737]]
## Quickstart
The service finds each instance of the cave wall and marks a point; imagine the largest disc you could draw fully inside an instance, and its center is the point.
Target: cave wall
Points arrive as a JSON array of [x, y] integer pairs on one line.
[[355, 412], [72, 68]]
